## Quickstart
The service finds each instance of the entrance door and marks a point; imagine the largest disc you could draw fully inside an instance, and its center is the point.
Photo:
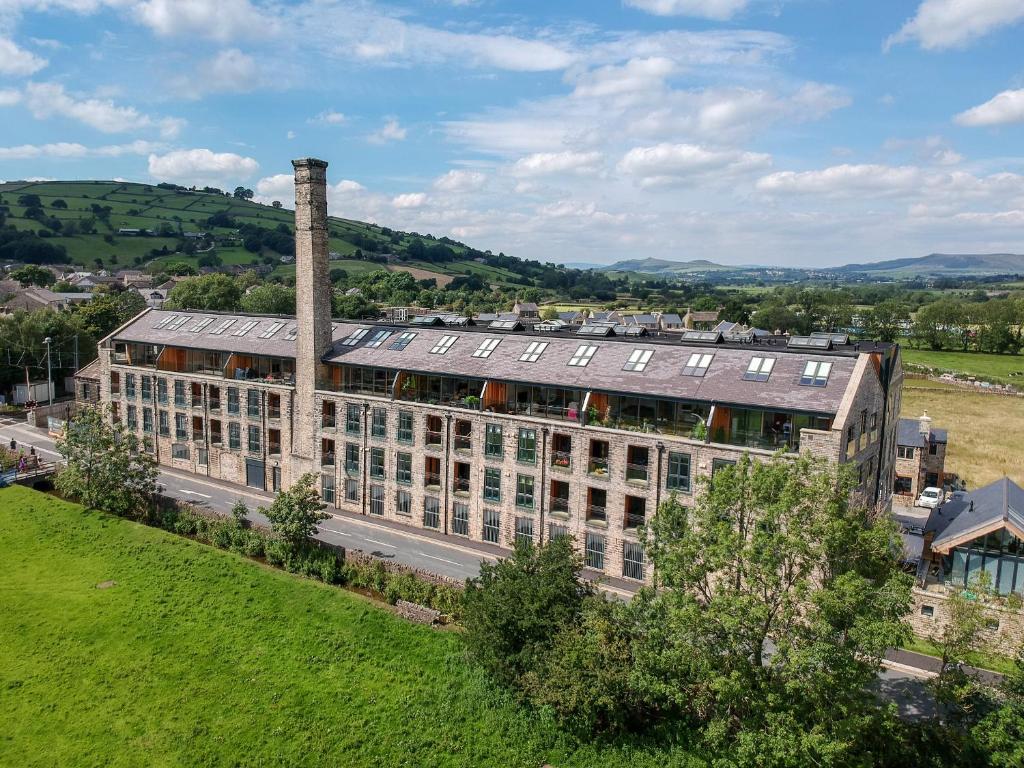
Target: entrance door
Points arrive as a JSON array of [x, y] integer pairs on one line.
[[255, 476]]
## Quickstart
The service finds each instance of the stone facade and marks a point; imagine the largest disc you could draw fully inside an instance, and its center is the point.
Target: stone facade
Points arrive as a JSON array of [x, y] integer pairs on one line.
[[930, 613]]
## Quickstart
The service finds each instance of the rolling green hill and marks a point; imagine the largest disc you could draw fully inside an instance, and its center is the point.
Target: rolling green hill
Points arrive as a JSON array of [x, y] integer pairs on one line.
[[667, 267], [169, 211]]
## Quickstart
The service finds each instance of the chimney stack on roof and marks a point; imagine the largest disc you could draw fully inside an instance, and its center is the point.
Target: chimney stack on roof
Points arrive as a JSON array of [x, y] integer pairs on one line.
[[924, 425]]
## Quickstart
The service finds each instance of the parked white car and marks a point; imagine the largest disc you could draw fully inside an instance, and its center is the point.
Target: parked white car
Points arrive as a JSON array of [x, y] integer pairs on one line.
[[930, 498]]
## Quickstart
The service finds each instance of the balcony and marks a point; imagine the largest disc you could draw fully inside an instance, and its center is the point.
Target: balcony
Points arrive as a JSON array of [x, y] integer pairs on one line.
[[328, 422], [431, 480], [598, 467], [214, 405], [461, 485], [560, 506], [273, 413], [596, 513], [464, 443], [435, 438], [561, 460], [635, 519], [274, 449], [636, 473]]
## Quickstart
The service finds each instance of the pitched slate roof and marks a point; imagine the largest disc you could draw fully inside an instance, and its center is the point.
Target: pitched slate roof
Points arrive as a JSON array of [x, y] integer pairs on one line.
[[662, 376], [908, 434], [997, 505]]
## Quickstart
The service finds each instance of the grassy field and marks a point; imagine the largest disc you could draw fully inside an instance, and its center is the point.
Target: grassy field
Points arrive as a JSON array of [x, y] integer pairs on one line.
[[984, 430], [200, 657], [996, 368]]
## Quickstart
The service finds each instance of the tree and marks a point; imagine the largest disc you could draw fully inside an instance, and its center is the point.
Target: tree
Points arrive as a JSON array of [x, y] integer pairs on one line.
[[108, 311], [777, 599], [31, 274], [241, 193], [295, 512], [514, 609], [955, 691], [107, 466], [217, 292], [549, 313], [887, 321], [269, 299], [355, 307], [276, 204], [209, 260], [1000, 733], [58, 203]]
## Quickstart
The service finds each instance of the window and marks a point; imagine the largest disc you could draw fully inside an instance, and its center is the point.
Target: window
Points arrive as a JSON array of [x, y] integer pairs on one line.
[[460, 519], [632, 560], [443, 345], [351, 458], [524, 530], [202, 456], [129, 385], [402, 341], [179, 451], [245, 327], [379, 425], [165, 428], [492, 484], [403, 503], [524, 491], [593, 556], [759, 369], [177, 322], [492, 525], [179, 394], [252, 403], [582, 355], [353, 339], [533, 351], [219, 330], [698, 364], [147, 389], [717, 465], [637, 461], [597, 500], [327, 414], [270, 331], [635, 512], [352, 419], [928, 611], [494, 441], [486, 347], [431, 512], [638, 360], [254, 438], [377, 463], [291, 333], [377, 500], [132, 417], [180, 426], [378, 338], [201, 325], [147, 420], [234, 436], [233, 401], [327, 488], [815, 374], [403, 468], [904, 452], [557, 532], [405, 427], [351, 489], [527, 447], [161, 391], [678, 478], [933, 449]]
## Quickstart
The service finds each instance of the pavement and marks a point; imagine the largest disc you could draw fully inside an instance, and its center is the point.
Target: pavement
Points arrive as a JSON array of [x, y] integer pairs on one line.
[[902, 680]]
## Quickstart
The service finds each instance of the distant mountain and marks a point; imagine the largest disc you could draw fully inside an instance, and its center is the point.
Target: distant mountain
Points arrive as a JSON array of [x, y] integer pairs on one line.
[[666, 267], [944, 264]]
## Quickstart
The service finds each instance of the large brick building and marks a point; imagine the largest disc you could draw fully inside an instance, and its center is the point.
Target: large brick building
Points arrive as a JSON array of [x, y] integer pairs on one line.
[[490, 433]]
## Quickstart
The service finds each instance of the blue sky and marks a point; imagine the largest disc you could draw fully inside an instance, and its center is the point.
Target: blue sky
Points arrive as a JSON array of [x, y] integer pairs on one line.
[[794, 132]]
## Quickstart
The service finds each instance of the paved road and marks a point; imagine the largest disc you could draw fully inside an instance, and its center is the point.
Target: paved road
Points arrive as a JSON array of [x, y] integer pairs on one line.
[[902, 684]]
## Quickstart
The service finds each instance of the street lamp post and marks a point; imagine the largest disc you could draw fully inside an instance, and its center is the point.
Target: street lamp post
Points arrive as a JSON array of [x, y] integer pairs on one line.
[[49, 375]]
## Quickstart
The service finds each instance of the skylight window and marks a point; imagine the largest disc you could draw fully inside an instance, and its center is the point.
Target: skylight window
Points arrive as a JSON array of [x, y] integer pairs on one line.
[[352, 339], [222, 327], [582, 355], [178, 322], [486, 347], [760, 369], [163, 323], [269, 332], [292, 333], [247, 326], [533, 351], [378, 338], [201, 324], [402, 341], [638, 360], [815, 374], [443, 345], [698, 364]]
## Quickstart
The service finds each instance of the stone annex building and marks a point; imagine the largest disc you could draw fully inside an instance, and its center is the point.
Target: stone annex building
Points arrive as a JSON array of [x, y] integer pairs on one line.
[[490, 433]]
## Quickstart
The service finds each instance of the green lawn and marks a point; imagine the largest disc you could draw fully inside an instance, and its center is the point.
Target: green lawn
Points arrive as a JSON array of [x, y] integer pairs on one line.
[[996, 368], [200, 657]]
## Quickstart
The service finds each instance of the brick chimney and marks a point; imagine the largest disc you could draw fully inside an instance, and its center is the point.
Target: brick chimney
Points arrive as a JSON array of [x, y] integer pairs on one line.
[[312, 303], [924, 425]]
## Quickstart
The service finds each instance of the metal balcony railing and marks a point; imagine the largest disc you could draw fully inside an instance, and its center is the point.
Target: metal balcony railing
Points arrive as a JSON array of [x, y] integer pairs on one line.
[[561, 459], [635, 519], [432, 480], [434, 437], [596, 512], [597, 466], [637, 472], [463, 443], [328, 422], [560, 505], [461, 485]]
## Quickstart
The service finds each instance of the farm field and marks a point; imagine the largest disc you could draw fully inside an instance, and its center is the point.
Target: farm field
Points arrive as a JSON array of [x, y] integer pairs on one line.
[[996, 368], [199, 657], [984, 429]]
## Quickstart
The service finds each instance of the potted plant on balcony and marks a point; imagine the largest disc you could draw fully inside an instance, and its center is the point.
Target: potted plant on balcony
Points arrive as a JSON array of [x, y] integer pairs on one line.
[[700, 431], [561, 461], [472, 401]]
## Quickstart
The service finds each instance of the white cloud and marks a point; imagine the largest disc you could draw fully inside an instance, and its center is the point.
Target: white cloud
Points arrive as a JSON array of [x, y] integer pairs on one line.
[[409, 200], [1001, 109], [634, 76], [542, 163], [9, 97], [842, 179], [231, 71], [942, 24], [221, 20], [68, 150], [329, 117], [47, 100], [933, 150], [705, 9], [673, 163], [17, 61], [390, 131], [290, 135], [201, 167], [458, 180], [281, 186]]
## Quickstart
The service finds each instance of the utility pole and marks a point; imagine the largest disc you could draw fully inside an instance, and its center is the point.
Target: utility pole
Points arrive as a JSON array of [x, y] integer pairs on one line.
[[49, 374]]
